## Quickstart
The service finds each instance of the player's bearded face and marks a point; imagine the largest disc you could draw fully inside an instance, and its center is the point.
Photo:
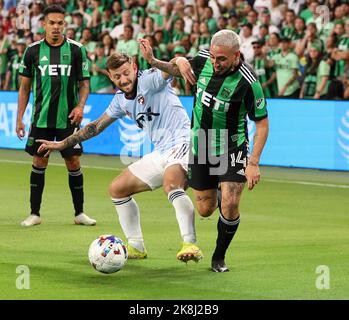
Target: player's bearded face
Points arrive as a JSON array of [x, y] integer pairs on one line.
[[54, 26], [124, 77], [223, 59]]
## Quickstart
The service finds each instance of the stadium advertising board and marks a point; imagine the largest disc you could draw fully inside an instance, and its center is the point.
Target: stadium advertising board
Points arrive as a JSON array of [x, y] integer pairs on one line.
[[303, 133]]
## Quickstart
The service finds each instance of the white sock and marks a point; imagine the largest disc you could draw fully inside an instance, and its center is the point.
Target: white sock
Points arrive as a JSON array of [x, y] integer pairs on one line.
[[184, 214], [129, 219]]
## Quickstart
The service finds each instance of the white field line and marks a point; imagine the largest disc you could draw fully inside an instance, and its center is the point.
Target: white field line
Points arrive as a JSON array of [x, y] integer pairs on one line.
[[306, 183], [58, 165]]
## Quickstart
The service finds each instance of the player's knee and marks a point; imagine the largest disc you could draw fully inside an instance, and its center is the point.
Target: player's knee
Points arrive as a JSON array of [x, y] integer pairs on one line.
[[206, 209], [117, 191], [73, 163], [168, 187], [114, 190], [40, 162], [230, 210]]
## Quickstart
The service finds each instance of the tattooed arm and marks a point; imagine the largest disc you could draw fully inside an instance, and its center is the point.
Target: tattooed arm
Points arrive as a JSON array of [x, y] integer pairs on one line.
[[178, 67], [90, 130]]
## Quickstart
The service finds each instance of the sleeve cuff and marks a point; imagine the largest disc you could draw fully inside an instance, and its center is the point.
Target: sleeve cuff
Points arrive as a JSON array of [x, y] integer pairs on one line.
[[260, 118], [25, 75]]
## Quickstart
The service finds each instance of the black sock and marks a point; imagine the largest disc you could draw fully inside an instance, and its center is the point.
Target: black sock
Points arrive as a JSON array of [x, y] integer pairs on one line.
[[76, 185], [37, 182], [226, 231]]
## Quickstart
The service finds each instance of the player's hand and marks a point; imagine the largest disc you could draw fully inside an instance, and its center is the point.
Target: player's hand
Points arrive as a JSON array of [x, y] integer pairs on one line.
[[20, 130], [76, 115], [186, 70], [48, 146], [146, 49], [253, 175]]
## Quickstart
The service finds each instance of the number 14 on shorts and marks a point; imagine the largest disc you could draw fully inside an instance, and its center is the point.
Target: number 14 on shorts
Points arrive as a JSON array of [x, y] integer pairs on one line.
[[238, 158]]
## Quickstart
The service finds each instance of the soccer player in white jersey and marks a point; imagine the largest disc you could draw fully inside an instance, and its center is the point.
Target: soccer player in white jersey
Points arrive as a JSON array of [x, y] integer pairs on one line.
[[147, 97]]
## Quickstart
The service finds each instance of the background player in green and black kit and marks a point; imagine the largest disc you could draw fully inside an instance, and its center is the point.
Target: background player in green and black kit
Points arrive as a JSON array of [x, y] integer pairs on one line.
[[227, 90], [57, 69], [266, 74], [12, 74]]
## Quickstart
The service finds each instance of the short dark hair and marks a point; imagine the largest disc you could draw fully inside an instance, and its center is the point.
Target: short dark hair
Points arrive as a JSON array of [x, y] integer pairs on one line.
[[55, 8]]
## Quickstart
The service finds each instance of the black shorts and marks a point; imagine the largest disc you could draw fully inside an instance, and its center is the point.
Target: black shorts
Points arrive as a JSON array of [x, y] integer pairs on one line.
[[228, 167], [51, 134]]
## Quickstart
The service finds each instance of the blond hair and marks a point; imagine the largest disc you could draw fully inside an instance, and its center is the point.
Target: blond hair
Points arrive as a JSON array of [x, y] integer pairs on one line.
[[226, 38]]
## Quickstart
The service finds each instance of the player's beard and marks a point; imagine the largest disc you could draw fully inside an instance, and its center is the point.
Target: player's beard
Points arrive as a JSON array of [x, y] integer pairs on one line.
[[229, 69], [130, 94], [223, 71], [55, 36], [126, 86]]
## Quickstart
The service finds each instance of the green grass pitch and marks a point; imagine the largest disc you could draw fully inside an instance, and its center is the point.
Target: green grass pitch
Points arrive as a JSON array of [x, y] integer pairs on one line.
[[292, 223]]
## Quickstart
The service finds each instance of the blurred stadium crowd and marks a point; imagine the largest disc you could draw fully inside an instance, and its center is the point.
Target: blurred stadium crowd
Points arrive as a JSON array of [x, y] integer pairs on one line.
[[298, 48]]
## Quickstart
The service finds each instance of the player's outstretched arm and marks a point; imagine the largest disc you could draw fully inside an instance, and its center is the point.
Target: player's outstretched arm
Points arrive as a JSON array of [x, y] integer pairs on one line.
[[90, 130], [178, 67]]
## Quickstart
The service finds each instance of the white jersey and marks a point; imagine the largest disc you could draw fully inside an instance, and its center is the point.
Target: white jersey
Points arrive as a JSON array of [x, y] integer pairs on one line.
[[156, 109]]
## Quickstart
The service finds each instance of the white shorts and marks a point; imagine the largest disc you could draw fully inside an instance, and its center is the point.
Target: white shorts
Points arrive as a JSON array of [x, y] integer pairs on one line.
[[150, 169]]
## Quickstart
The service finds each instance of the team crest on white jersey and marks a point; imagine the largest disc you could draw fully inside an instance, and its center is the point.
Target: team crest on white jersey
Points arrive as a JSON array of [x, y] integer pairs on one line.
[[140, 99]]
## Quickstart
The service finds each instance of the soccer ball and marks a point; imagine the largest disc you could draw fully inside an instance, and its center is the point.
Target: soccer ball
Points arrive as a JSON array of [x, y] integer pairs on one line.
[[107, 254]]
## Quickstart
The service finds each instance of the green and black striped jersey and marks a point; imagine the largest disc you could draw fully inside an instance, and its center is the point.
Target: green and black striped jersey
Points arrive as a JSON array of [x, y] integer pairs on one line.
[[56, 72], [13, 68], [264, 73], [340, 64], [221, 105]]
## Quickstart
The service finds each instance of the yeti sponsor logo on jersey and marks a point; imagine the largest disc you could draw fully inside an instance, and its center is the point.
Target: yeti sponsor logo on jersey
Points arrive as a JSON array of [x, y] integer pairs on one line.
[[55, 70], [206, 99]]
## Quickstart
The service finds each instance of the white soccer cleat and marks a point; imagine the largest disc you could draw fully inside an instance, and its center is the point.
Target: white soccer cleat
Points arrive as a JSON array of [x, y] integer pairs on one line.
[[32, 220], [85, 220]]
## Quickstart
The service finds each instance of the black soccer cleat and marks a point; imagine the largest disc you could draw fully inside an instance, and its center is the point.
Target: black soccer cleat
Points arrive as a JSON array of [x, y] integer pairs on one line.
[[219, 266]]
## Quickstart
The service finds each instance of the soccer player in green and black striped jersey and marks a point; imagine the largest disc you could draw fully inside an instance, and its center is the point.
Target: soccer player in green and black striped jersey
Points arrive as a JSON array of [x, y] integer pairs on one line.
[[227, 91], [12, 74], [266, 73], [56, 68], [341, 54]]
